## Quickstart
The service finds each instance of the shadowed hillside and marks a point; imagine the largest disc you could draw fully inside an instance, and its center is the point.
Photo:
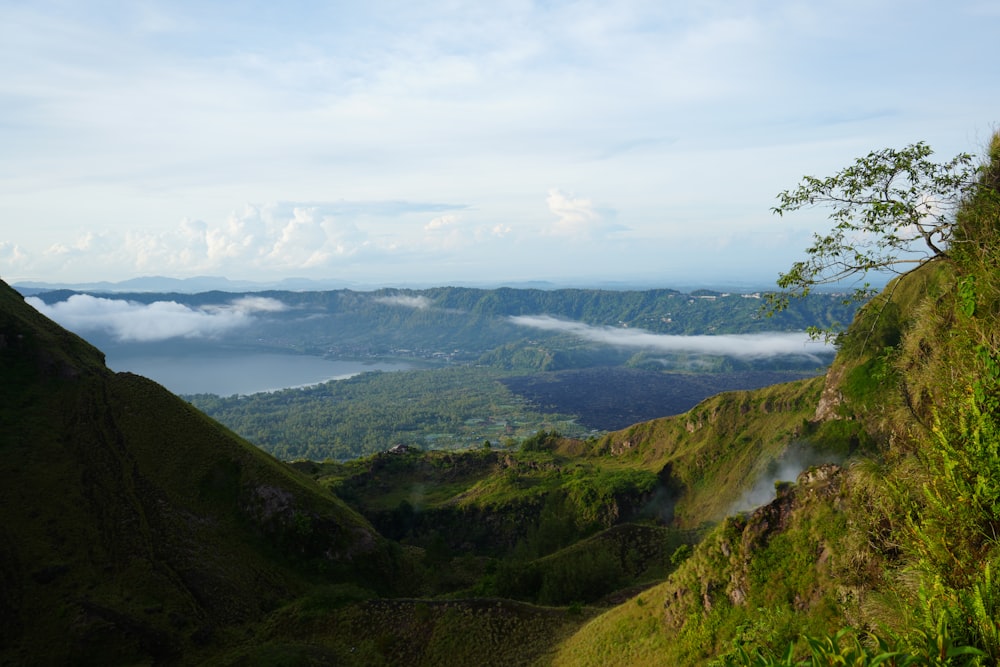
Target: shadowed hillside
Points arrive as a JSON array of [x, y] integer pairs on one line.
[[134, 529]]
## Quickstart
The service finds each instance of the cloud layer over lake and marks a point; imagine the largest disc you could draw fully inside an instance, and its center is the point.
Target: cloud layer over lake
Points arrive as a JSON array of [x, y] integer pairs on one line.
[[744, 346], [129, 321]]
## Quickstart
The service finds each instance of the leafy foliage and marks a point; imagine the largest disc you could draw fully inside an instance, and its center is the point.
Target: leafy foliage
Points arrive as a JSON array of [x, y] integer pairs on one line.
[[890, 208], [846, 648], [448, 408]]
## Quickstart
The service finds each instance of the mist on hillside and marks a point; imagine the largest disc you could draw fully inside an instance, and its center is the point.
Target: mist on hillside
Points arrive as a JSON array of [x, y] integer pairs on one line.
[[786, 468], [417, 302], [743, 346]]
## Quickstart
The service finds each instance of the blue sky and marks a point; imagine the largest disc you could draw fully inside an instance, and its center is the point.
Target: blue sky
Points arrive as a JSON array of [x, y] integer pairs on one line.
[[453, 142]]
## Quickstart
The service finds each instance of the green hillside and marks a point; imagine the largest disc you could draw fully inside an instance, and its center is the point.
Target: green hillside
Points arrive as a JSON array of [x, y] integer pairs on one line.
[[134, 529]]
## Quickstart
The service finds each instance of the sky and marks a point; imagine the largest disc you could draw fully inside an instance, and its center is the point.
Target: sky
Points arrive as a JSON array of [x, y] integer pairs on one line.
[[394, 143]]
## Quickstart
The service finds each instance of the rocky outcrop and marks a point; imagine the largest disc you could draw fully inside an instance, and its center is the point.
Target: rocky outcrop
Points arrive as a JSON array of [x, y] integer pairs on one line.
[[729, 557], [769, 520], [831, 398]]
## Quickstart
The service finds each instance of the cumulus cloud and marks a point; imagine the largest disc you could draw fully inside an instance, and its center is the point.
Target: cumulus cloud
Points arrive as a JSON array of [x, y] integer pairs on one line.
[[87, 245], [441, 222], [283, 236], [129, 321], [418, 302], [574, 215], [577, 217], [11, 254], [445, 232], [276, 239], [744, 346]]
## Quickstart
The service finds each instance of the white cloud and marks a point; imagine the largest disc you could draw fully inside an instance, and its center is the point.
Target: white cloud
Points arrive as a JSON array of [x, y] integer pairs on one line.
[[445, 233], [441, 222], [11, 255], [160, 320], [745, 346], [255, 304], [240, 237], [302, 241], [417, 302], [575, 216], [275, 239], [578, 218], [452, 236]]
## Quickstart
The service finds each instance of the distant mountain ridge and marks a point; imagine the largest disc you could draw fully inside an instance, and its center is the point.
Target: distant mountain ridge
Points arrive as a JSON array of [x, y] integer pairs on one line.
[[221, 283], [470, 323]]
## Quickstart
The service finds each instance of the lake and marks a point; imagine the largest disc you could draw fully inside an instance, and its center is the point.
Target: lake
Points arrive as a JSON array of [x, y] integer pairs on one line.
[[228, 372]]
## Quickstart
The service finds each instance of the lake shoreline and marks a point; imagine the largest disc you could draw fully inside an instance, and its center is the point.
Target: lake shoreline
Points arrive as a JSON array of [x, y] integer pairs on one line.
[[241, 372]]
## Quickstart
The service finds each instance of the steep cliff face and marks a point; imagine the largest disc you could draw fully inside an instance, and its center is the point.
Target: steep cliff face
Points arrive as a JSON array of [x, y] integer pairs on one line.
[[134, 528]]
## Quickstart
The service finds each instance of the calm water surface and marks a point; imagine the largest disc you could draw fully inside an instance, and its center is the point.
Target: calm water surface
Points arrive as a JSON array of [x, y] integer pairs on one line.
[[228, 373]]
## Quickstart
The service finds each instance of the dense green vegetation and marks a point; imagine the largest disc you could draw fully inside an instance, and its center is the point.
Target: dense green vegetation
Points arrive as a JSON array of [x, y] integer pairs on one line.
[[460, 407], [450, 408]]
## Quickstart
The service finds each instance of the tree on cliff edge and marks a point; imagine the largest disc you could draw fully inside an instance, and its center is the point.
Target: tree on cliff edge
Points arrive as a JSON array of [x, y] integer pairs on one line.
[[891, 209]]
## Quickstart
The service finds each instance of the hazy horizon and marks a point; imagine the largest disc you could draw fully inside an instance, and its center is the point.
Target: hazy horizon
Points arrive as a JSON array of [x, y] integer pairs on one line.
[[192, 284]]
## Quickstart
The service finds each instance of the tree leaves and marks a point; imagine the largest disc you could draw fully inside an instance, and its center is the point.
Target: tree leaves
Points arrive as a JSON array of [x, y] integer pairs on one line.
[[890, 208]]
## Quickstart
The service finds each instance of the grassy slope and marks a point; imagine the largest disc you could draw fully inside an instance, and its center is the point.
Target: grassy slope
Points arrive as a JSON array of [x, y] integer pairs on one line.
[[715, 452], [132, 526], [733, 437], [765, 579], [751, 580], [711, 454]]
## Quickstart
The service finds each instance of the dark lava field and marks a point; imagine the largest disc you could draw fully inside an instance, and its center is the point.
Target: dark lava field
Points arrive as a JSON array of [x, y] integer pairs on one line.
[[611, 398]]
